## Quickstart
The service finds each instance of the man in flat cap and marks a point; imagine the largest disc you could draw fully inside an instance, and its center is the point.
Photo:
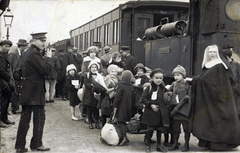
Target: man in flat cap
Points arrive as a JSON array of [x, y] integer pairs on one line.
[[32, 93], [15, 58], [106, 58], [6, 81], [128, 60]]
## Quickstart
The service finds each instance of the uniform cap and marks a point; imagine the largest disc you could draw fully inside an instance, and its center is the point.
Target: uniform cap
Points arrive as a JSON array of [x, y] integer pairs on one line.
[[124, 48], [40, 35]]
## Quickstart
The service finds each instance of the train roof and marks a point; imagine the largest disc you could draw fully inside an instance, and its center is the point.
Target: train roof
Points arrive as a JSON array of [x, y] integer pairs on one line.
[[135, 4]]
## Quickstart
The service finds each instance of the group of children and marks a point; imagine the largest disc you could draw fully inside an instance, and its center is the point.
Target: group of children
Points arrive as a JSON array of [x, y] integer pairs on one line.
[[162, 108]]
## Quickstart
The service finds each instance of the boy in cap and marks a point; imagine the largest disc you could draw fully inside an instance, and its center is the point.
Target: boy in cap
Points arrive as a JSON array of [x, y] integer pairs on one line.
[[7, 82], [106, 58], [32, 94]]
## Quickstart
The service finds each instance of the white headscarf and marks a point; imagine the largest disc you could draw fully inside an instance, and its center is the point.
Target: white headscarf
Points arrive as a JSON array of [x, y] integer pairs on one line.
[[206, 57]]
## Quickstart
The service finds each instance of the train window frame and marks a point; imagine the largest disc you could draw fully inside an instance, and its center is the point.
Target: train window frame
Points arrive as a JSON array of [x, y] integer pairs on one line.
[[232, 10], [115, 31]]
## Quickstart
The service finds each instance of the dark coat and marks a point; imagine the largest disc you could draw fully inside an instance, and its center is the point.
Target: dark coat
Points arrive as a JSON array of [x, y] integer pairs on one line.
[[123, 101], [130, 63], [72, 91], [236, 87], [88, 96], [55, 70], [15, 60], [34, 70], [138, 90], [215, 117], [76, 60], [182, 89], [6, 73], [149, 116]]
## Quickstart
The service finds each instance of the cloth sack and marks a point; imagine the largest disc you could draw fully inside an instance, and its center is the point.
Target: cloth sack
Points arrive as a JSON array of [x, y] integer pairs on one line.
[[111, 134], [80, 93]]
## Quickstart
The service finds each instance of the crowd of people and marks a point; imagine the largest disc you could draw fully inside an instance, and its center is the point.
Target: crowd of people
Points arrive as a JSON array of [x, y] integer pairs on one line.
[[115, 87]]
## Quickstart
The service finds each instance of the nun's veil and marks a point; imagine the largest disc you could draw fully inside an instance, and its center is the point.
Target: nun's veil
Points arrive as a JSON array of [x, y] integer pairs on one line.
[[220, 55]]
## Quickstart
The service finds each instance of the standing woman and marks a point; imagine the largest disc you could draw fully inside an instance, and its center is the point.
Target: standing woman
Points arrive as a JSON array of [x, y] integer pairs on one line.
[[215, 117], [92, 56]]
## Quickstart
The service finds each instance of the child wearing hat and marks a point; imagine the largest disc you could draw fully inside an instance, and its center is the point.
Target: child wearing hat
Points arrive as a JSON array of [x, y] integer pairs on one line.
[[111, 80], [73, 83], [123, 104], [94, 85], [156, 115], [181, 90]]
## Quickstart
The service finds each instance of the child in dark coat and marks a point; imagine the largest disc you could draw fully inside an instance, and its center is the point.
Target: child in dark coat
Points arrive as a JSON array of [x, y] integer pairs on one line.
[[94, 84], [111, 81], [73, 83], [181, 112], [123, 103], [156, 115]]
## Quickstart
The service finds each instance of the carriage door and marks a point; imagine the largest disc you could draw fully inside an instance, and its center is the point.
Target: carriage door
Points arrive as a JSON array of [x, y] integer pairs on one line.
[[141, 23]]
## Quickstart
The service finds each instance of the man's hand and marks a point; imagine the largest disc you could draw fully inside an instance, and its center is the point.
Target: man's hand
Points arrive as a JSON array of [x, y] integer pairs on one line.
[[49, 53]]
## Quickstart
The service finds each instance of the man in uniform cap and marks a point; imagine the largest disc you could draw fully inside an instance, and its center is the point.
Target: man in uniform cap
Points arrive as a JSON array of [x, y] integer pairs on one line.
[[15, 60], [6, 82], [128, 60], [32, 93]]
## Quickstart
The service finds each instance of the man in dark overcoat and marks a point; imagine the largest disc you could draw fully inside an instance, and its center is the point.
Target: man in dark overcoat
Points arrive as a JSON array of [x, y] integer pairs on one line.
[[15, 58], [128, 60], [6, 81], [32, 95]]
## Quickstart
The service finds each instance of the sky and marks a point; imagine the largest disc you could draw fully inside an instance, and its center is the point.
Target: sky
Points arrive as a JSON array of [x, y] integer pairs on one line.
[[56, 17]]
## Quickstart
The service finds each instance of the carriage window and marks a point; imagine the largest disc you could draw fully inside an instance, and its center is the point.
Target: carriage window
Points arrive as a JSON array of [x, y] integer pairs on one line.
[[143, 24], [106, 33], [81, 42], [76, 41], [115, 32], [99, 34], [86, 40], [91, 37]]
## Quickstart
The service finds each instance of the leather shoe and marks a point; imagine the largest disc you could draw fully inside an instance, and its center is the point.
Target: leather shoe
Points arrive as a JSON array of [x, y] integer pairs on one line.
[[3, 125], [51, 101], [8, 122], [42, 148], [21, 150]]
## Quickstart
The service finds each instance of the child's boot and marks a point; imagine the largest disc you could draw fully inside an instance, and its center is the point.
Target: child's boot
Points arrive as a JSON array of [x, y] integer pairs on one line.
[[159, 146], [166, 143], [186, 145], [175, 144]]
